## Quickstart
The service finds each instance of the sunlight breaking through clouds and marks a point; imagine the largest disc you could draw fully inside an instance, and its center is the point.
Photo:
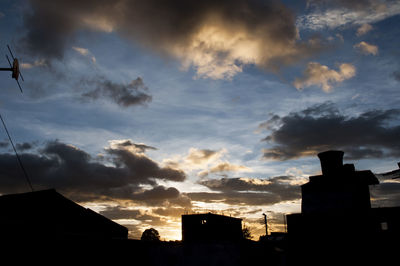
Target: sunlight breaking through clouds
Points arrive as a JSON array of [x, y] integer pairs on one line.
[[215, 38]]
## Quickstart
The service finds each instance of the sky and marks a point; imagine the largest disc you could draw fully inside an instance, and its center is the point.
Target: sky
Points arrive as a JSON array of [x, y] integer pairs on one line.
[[147, 110]]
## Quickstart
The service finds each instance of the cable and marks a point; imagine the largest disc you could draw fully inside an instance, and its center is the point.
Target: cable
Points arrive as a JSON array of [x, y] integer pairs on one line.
[[16, 153]]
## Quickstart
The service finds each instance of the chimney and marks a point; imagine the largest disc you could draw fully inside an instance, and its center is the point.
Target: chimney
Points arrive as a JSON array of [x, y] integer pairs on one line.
[[331, 162]]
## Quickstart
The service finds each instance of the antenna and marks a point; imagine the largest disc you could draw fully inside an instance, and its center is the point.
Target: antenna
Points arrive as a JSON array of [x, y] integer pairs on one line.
[[266, 224], [14, 68], [16, 154]]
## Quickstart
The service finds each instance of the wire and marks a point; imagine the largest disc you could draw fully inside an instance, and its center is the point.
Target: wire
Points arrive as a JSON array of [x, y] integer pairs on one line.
[[16, 153]]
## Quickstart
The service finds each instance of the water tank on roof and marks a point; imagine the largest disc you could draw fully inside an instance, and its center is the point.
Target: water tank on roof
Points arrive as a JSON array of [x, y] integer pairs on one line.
[[331, 162]]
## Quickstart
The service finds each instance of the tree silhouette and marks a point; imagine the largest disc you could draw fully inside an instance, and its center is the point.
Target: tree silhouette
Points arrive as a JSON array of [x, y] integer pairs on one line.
[[246, 233], [150, 235]]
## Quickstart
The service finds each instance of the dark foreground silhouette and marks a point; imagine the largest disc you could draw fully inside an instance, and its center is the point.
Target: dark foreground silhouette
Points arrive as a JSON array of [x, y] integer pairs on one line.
[[337, 226]]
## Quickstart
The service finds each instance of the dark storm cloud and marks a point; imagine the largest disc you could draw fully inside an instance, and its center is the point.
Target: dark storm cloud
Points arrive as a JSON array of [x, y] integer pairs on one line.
[[4, 144], [160, 195], [125, 95], [249, 191], [371, 134], [76, 173], [142, 166], [24, 146], [177, 28]]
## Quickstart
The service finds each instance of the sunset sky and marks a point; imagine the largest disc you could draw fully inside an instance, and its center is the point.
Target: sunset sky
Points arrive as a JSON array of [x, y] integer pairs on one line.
[[146, 110]]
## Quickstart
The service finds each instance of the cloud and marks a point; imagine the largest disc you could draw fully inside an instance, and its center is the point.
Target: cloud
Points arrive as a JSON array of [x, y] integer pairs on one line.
[[203, 156], [272, 185], [125, 95], [4, 144], [204, 162], [85, 52], [161, 195], [224, 167], [351, 4], [386, 194], [136, 219], [171, 212], [396, 75], [320, 75], [118, 213], [323, 127], [129, 145], [24, 146], [227, 167], [36, 63], [333, 14], [249, 191], [82, 177], [364, 29], [340, 37], [366, 48], [216, 38]]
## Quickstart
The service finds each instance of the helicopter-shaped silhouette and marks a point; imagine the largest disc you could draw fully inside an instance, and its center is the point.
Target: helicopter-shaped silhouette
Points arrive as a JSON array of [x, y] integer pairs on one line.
[[14, 68]]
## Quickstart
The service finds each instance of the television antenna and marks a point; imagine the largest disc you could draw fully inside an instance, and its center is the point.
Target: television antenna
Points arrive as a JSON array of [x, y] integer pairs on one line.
[[14, 68]]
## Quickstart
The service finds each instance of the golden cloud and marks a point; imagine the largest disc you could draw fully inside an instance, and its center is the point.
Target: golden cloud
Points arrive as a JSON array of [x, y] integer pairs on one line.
[[363, 29], [366, 48], [320, 75], [215, 38]]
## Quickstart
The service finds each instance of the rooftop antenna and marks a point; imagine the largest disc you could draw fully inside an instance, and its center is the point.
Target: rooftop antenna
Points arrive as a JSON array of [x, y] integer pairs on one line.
[[16, 154], [266, 224], [14, 68]]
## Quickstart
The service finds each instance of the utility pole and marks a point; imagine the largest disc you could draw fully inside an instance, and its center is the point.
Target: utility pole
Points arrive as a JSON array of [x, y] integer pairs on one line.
[[266, 224]]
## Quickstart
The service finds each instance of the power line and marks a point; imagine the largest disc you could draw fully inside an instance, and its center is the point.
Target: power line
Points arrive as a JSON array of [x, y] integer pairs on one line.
[[16, 154]]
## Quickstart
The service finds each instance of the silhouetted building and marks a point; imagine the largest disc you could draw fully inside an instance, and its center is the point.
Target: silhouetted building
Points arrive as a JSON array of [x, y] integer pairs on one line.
[[211, 227], [339, 189], [47, 214], [337, 225], [337, 203]]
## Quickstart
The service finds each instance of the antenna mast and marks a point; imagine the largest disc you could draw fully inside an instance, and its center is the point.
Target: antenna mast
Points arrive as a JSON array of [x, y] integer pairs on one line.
[[14, 68], [16, 154], [266, 224]]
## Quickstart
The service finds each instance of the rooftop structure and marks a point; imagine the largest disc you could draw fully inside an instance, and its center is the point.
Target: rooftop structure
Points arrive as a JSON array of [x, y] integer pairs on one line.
[[211, 227], [337, 224], [340, 188], [338, 203]]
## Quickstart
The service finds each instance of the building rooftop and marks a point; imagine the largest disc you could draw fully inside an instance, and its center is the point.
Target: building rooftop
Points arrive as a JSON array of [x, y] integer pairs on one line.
[[47, 213]]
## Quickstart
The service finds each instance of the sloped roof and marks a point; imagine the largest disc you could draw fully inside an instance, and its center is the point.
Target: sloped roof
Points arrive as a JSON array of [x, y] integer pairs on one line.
[[49, 213]]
